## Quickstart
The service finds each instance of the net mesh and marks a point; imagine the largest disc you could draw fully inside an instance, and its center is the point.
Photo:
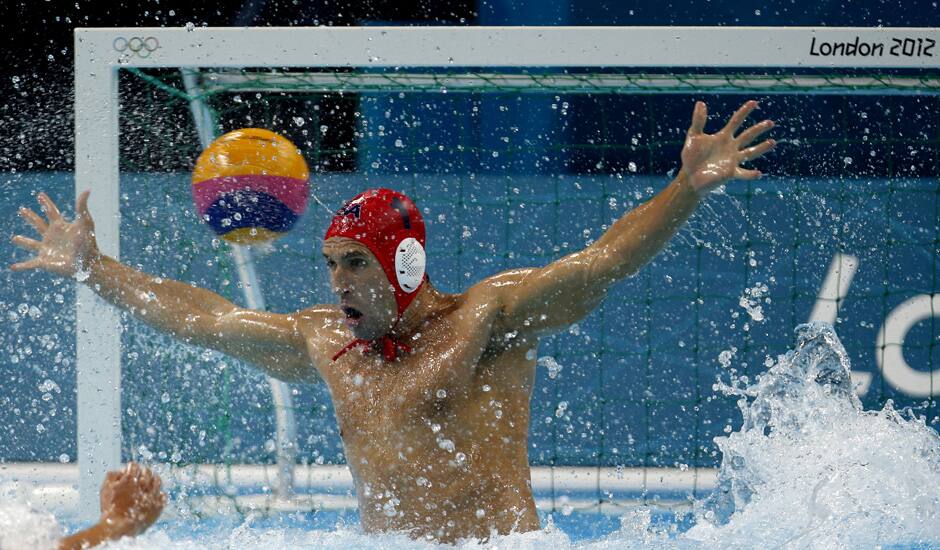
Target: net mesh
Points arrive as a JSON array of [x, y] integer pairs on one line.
[[520, 168]]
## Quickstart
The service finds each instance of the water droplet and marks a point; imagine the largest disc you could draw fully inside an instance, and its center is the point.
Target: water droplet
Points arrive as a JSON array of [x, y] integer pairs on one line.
[[549, 362], [390, 507]]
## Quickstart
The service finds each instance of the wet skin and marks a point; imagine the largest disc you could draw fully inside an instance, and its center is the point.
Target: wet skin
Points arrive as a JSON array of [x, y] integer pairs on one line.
[[436, 440]]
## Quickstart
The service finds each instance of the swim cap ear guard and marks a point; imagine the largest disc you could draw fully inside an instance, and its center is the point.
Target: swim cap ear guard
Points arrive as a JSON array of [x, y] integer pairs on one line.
[[410, 261], [390, 225]]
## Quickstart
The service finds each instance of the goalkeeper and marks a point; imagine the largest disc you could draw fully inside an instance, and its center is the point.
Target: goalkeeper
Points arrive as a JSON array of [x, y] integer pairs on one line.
[[431, 390]]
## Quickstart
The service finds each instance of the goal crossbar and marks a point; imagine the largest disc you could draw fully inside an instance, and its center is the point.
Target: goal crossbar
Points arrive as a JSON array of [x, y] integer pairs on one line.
[[638, 83]]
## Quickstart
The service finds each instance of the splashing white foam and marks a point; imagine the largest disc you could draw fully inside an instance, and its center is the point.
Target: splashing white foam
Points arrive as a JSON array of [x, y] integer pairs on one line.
[[809, 468], [22, 525], [635, 532]]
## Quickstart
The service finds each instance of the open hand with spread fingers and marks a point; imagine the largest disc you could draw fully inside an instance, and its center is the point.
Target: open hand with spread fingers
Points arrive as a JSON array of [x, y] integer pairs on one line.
[[65, 247], [709, 160]]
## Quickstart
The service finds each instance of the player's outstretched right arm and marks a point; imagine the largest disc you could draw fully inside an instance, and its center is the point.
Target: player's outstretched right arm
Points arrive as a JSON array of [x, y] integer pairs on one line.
[[544, 300], [271, 341]]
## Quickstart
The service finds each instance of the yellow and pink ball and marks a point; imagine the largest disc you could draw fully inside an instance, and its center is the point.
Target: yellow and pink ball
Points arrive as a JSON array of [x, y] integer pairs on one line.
[[250, 185]]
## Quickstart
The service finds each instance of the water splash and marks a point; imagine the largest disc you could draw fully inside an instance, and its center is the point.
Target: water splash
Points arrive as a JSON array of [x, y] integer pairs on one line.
[[810, 468], [751, 301], [635, 532], [21, 524]]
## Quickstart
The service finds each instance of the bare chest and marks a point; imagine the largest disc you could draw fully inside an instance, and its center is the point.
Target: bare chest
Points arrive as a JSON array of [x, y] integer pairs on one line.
[[374, 397]]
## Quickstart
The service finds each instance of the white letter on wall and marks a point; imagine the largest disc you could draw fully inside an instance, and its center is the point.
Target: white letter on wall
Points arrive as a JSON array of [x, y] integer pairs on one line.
[[891, 338]]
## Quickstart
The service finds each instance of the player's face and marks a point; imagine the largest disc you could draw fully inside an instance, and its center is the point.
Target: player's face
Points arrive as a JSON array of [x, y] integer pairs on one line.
[[358, 280]]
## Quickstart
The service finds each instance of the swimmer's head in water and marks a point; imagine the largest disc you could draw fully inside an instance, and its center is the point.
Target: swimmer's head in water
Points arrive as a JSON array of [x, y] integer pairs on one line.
[[378, 232]]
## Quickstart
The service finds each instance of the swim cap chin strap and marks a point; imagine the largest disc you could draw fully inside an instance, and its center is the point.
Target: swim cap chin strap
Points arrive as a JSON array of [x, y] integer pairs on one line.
[[390, 225], [391, 349]]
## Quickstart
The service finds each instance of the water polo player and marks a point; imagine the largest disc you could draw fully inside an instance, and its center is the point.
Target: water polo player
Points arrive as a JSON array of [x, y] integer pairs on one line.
[[431, 390]]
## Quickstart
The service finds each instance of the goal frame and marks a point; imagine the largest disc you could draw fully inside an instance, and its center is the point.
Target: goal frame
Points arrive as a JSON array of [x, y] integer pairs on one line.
[[100, 53]]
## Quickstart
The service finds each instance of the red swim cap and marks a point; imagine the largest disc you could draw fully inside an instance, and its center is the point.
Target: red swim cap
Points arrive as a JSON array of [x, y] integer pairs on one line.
[[390, 225]]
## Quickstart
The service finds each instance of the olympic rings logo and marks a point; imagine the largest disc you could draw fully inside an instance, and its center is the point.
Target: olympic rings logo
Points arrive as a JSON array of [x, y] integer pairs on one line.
[[137, 45]]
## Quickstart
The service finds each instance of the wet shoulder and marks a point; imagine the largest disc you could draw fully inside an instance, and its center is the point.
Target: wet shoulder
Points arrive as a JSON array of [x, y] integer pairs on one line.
[[323, 330], [490, 291], [321, 320]]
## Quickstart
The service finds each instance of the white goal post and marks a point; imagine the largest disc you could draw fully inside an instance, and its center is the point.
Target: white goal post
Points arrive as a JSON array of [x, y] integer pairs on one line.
[[100, 53]]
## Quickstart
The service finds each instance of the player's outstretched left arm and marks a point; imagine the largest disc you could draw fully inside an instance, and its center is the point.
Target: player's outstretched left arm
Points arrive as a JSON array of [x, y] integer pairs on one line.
[[550, 298]]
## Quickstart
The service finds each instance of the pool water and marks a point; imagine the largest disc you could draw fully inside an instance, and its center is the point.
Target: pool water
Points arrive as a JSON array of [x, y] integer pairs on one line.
[[332, 529], [338, 529], [643, 527]]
